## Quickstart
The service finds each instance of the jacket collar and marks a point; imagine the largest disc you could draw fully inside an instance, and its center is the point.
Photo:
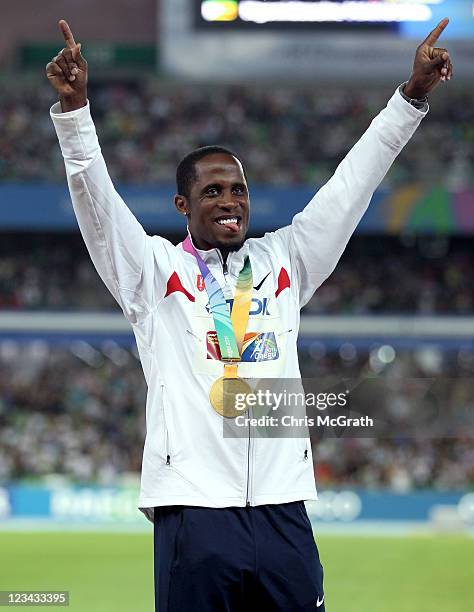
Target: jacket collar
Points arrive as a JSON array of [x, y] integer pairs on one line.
[[235, 259]]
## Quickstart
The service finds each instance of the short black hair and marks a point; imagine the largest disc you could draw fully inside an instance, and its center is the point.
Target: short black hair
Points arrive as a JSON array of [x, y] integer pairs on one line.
[[186, 170]]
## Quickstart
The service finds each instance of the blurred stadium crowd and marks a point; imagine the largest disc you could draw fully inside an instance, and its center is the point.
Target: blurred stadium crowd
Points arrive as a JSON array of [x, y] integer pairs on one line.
[[79, 411], [285, 136], [41, 272], [73, 411]]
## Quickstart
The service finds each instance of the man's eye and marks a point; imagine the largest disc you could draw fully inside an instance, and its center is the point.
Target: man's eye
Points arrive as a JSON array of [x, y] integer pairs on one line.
[[212, 191], [239, 190]]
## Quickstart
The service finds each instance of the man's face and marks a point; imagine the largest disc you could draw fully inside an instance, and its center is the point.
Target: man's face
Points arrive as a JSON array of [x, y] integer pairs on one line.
[[218, 203]]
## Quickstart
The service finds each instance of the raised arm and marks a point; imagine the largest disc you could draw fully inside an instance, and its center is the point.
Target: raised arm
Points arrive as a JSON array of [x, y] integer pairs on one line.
[[117, 243], [319, 234]]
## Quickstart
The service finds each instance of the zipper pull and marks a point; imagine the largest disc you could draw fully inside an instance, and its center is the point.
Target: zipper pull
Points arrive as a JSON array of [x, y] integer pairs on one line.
[[306, 454], [168, 460], [224, 267]]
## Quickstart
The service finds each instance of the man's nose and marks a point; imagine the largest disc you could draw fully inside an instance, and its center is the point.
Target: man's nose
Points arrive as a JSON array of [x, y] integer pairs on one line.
[[229, 201]]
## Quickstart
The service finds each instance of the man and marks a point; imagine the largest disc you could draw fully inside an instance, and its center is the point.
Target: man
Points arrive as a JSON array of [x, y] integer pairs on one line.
[[231, 529]]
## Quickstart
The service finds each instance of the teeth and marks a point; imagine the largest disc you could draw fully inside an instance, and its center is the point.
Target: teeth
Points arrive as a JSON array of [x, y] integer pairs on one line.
[[226, 221]]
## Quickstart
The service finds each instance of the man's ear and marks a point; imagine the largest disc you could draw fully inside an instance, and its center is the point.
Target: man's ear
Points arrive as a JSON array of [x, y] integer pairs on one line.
[[181, 203]]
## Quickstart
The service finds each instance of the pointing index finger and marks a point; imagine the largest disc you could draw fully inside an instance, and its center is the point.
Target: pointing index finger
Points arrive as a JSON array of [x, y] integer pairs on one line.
[[66, 32], [436, 33]]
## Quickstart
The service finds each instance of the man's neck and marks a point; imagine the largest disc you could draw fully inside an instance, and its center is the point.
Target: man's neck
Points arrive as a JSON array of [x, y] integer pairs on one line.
[[207, 247]]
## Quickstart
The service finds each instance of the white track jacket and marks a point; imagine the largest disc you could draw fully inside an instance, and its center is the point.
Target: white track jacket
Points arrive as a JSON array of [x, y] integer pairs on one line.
[[186, 459]]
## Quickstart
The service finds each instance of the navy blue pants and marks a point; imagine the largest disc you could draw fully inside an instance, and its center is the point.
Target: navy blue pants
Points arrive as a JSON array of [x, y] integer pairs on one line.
[[236, 559]]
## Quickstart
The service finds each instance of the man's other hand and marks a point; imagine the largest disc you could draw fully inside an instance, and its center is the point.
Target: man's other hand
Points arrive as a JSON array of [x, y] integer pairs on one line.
[[432, 65]]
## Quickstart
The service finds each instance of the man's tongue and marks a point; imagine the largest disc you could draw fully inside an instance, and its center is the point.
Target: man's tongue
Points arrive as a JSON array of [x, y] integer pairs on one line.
[[231, 227]]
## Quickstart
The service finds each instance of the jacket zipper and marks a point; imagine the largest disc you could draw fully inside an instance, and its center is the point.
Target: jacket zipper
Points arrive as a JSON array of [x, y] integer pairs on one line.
[[167, 436], [225, 271], [225, 267], [249, 439], [249, 449]]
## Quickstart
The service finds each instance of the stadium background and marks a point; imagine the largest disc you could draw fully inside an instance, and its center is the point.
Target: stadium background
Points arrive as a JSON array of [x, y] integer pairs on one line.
[[396, 516]]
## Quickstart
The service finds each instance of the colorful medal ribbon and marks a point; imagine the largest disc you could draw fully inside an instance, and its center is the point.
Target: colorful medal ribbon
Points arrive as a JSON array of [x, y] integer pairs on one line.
[[230, 328]]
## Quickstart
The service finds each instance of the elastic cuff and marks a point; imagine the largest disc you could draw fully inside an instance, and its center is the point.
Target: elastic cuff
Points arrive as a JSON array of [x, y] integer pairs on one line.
[[420, 104], [55, 111]]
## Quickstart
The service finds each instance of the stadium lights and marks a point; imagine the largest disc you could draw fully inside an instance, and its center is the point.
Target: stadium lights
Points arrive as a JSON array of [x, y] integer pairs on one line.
[[220, 10], [297, 11]]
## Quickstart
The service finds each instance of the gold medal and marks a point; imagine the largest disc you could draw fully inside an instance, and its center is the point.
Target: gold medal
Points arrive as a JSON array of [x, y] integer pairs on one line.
[[227, 394]]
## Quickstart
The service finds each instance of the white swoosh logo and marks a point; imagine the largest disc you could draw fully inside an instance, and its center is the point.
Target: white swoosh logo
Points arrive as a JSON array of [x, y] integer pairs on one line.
[[320, 602]]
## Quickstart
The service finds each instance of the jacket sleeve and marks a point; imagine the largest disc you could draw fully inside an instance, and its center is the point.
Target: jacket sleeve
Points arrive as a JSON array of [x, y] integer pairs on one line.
[[319, 234], [119, 247]]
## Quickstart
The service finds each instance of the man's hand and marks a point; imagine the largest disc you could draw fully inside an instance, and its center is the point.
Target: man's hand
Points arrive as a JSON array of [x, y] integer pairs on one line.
[[67, 72], [432, 65]]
